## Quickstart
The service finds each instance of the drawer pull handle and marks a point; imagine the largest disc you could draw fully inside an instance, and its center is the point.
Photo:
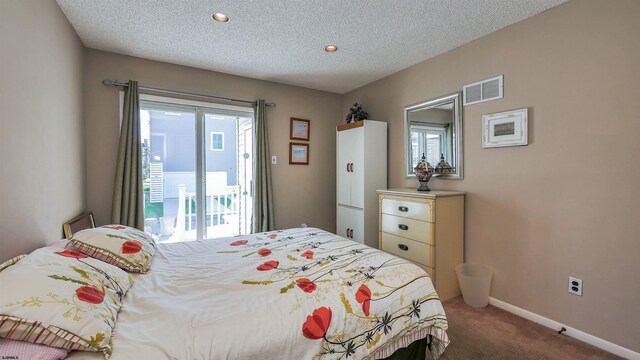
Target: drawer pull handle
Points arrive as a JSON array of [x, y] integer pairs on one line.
[[403, 227], [403, 247], [403, 208]]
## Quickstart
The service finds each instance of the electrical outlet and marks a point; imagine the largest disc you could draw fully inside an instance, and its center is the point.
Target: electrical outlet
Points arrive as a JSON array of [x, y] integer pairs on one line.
[[575, 286], [274, 160]]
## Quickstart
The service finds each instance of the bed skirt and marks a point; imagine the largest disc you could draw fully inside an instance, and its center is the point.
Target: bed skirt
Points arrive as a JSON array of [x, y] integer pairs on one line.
[[413, 346]]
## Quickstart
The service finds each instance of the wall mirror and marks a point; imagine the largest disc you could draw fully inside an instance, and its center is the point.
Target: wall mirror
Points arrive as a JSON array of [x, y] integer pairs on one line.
[[434, 128]]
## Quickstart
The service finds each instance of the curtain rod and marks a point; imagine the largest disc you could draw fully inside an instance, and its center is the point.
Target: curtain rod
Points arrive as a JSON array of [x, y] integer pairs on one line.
[[107, 82]]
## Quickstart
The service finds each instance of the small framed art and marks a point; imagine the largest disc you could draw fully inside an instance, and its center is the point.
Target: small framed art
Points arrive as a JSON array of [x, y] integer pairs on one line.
[[300, 129], [505, 129], [298, 154]]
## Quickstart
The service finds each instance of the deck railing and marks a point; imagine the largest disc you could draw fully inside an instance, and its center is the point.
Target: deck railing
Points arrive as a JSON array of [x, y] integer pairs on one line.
[[223, 208]]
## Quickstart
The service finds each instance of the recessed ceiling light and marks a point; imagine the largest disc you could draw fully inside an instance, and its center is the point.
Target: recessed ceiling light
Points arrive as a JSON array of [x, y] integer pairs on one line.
[[220, 17], [330, 48]]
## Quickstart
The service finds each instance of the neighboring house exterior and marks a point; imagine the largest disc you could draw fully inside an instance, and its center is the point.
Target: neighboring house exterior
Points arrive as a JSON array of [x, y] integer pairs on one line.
[[173, 142]]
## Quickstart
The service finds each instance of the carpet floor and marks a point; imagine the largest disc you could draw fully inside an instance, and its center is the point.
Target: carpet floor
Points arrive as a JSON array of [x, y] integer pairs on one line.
[[492, 333]]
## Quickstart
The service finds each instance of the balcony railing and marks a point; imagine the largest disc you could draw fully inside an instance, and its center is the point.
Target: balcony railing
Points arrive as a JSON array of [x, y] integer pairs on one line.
[[222, 208]]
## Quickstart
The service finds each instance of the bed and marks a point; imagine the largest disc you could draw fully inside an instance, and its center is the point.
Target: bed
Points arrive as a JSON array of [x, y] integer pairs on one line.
[[292, 294]]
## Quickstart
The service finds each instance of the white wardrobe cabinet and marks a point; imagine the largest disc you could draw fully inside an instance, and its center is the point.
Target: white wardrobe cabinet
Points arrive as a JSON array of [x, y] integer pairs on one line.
[[361, 170]]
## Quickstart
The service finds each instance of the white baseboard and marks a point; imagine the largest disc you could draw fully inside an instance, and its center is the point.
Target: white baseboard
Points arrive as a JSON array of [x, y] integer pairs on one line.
[[575, 333]]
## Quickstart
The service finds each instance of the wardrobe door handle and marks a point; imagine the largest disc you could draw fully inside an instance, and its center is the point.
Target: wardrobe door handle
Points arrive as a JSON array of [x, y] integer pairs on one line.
[[347, 167], [403, 208], [403, 247], [347, 232], [351, 233], [403, 227]]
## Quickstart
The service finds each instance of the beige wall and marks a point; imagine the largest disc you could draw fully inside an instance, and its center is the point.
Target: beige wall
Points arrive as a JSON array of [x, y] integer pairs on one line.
[[302, 193], [41, 127], [567, 204]]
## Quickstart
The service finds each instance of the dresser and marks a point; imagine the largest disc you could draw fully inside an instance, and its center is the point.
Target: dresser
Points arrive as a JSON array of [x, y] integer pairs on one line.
[[361, 169], [426, 228]]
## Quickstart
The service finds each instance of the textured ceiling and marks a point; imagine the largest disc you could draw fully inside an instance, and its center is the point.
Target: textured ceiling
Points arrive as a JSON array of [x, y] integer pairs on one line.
[[283, 40]]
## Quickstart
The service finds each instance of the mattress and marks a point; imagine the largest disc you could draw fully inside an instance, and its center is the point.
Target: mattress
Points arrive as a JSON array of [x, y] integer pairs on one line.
[[290, 294]]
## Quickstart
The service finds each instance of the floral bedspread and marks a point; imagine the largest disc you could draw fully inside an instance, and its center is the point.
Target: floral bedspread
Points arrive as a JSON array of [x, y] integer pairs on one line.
[[290, 294]]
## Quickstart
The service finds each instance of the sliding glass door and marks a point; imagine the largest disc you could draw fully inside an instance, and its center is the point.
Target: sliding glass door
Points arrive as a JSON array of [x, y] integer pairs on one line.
[[197, 171], [227, 185]]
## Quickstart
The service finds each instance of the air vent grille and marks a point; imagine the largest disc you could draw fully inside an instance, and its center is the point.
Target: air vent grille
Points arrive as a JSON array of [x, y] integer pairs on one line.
[[484, 90]]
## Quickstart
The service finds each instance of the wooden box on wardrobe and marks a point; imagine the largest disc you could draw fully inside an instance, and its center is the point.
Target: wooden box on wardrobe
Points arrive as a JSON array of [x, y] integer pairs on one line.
[[361, 170]]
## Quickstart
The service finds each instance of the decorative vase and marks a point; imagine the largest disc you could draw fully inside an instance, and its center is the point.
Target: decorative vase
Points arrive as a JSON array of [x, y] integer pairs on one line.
[[443, 167], [424, 172]]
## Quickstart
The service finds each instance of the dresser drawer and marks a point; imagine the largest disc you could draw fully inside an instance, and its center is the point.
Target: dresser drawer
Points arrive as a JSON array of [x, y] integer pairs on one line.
[[406, 248], [409, 228], [418, 209]]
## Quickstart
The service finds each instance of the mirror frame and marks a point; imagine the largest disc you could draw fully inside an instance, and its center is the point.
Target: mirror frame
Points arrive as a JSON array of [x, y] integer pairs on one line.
[[457, 143]]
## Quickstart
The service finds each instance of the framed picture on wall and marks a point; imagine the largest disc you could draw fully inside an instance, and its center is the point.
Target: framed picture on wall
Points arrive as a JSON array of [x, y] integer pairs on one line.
[[505, 129], [300, 129], [298, 154]]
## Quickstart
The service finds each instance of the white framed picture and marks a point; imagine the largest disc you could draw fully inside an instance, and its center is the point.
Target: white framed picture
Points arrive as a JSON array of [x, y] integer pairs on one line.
[[505, 129]]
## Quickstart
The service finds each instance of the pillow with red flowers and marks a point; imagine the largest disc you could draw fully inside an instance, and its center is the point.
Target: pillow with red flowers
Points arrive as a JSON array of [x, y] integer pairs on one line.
[[62, 298], [123, 246]]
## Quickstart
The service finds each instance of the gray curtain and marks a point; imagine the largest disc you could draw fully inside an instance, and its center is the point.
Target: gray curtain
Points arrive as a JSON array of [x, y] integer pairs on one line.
[[263, 219], [127, 207], [449, 146]]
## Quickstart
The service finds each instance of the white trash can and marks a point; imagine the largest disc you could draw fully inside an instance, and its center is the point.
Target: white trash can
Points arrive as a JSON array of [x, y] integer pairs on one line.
[[475, 283]]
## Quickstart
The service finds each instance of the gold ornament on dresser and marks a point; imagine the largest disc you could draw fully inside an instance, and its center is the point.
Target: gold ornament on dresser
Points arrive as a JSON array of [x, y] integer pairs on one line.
[[424, 172]]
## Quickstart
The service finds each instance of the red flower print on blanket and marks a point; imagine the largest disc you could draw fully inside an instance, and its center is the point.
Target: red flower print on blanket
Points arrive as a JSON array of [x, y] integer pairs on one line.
[[317, 324], [272, 236], [363, 296], [264, 252], [269, 265], [307, 254], [306, 285], [239, 242]]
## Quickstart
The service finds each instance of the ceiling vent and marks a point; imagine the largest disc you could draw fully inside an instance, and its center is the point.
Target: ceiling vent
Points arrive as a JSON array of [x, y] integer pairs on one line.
[[482, 91]]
